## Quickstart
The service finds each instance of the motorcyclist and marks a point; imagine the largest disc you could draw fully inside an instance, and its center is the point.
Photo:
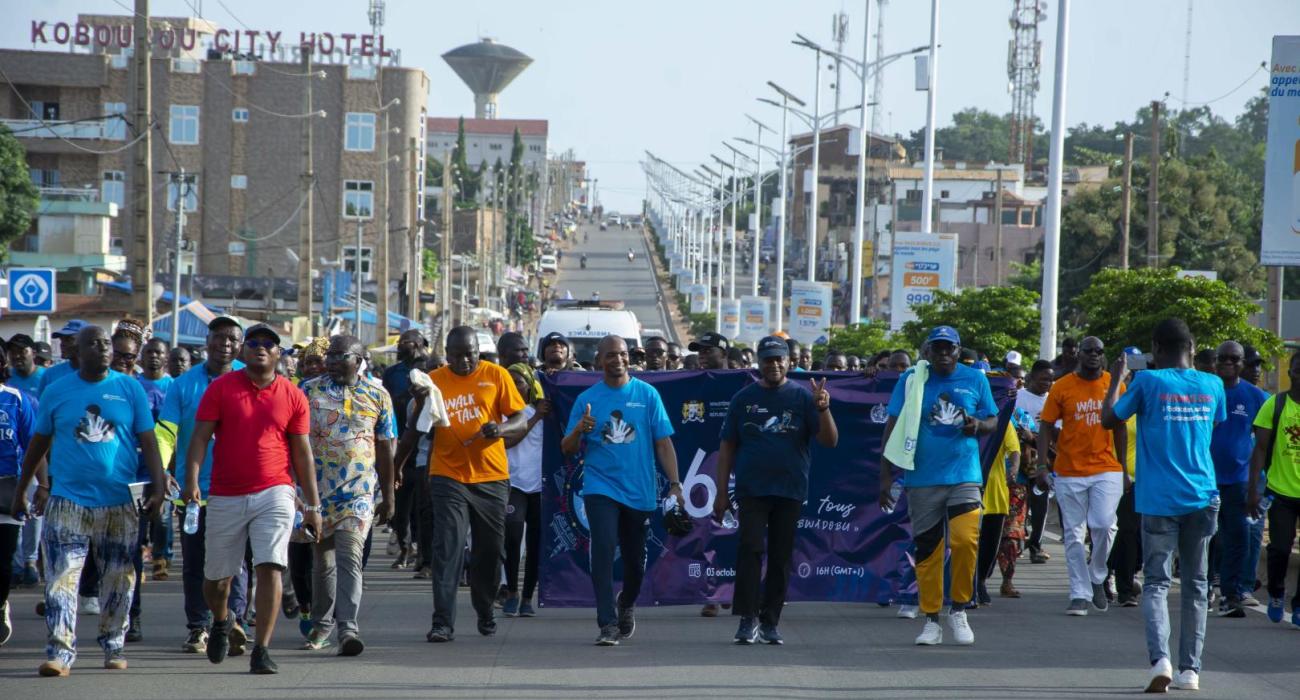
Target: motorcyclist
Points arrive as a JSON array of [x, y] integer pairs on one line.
[[583, 260], [630, 255]]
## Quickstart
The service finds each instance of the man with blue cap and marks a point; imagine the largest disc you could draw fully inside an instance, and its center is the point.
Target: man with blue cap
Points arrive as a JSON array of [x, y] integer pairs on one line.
[[937, 410]]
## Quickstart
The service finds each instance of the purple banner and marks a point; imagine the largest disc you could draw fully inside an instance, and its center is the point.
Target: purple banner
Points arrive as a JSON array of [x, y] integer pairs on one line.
[[846, 549]]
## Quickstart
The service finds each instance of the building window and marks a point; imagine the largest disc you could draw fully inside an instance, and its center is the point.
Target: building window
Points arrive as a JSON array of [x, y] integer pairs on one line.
[[47, 111], [238, 182], [913, 195], [45, 177], [239, 114], [185, 65], [358, 199], [119, 61], [184, 125], [943, 194], [535, 148], [243, 67], [189, 188], [113, 187], [359, 131], [115, 121], [350, 260], [494, 146]]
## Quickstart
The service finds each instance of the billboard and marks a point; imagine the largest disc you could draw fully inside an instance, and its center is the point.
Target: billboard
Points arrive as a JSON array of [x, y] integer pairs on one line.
[[699, 295], [810, 311], [923, 264], [755, 319], [730, 321], [1280, 234]]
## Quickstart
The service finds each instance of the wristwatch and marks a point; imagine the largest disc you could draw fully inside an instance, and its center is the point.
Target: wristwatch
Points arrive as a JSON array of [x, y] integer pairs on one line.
[[671, 484], [311, 509]]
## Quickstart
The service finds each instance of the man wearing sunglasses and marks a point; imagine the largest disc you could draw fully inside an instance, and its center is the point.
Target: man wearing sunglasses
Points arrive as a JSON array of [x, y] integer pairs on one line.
[[260, 421], [1089, 470], [656, 354]]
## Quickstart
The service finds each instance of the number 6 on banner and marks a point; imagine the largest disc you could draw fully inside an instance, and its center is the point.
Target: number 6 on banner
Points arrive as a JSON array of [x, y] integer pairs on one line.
[[695, 478]]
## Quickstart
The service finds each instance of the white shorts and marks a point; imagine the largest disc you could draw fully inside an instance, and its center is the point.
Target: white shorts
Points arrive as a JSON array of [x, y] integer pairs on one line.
[[263, 520]]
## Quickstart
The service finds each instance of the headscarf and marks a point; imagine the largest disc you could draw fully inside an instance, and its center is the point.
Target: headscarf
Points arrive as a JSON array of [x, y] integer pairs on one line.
[[530, 377], [316, 347]]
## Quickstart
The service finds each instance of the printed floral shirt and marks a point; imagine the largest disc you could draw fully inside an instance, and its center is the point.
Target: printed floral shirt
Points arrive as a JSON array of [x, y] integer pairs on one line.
[[345, 422]]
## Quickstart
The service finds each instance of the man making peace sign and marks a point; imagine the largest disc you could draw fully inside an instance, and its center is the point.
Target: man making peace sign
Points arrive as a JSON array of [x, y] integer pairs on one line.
[[767, 436]]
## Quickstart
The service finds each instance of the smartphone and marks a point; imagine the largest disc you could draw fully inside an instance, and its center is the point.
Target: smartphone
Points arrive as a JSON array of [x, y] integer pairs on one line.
[[310, 530], [1136, 362]]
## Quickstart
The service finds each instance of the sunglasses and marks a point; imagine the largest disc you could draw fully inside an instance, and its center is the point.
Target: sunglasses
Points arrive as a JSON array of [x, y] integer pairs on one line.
[[260, 344], [340, 355]]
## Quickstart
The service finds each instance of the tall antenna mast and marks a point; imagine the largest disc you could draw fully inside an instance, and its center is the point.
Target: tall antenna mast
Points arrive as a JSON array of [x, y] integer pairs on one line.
[[839, 34], [878, 80], [1187, 55], [376, 15], [1024, 63]]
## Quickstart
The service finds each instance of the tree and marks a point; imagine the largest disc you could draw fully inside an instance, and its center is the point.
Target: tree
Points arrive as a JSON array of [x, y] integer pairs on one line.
[[19, 198], [992, 319], [861, 339], [1122, 307], [465, 179], [431, 269]]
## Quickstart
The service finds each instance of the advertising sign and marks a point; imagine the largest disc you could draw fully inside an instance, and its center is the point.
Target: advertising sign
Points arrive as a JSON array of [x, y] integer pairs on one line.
[[755, 319], [31, 290], [810, 311], [1280, 235], [730, 321], [923, 264], [699, 294]]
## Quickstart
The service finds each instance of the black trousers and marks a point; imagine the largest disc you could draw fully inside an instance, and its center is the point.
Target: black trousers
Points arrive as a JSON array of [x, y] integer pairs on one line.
[[990, 540], [479, 511], [523, 528], [8, 545], [767, 525], [1281, 536], [300, 572], [1038, 506], [406, 508], [1126, 553]]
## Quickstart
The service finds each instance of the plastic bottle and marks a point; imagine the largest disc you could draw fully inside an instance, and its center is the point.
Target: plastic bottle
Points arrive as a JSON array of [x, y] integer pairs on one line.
[[173, 492], [729, 521], [191, 517], [297, 519], [1051, 486], [1264, 504], [895, 492]]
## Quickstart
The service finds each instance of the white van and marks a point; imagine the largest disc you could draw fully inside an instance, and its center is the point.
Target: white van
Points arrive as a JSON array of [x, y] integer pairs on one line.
[[584, 323]]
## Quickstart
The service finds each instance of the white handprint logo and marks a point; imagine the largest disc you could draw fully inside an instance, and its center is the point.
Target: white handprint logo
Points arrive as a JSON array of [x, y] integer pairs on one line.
[[93, 427], [945, 412], [617, 431]]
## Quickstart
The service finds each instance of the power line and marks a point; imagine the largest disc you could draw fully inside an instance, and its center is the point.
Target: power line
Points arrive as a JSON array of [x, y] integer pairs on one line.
[[52, 126], [1227, 94], [264, 110]]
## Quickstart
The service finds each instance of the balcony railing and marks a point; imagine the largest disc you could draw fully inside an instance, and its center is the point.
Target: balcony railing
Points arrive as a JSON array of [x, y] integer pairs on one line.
[[69, 194], [88, 129]]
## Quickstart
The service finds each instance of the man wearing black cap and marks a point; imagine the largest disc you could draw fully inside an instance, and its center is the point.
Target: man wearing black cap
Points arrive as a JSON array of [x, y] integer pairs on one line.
[[712, 349], [24, 373], [44, 354], [1253, 365], [556, 353], [767, 436]]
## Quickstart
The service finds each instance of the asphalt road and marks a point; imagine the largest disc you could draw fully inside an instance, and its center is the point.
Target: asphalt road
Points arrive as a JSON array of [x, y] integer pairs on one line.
[[1024, 648]]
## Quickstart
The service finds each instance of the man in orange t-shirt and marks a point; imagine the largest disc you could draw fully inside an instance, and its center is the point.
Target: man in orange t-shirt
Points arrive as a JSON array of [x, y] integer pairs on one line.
[[469, 480], [1090, 478]]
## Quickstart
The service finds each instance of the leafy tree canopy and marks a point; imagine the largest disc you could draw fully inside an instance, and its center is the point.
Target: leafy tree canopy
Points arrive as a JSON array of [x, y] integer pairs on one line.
[[992, 319]]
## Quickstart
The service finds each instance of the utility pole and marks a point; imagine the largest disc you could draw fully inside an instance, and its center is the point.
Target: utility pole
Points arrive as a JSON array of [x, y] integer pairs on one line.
[[997, 239], [381, 245], [142, 178], [444, 288], [1127, 201], [1056, 163], [356, 302], [307, 181], [183, 190], [932, 71], [1153, 191]]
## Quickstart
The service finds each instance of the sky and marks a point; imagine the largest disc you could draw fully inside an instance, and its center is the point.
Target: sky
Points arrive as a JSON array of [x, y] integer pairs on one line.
[[616, 78]]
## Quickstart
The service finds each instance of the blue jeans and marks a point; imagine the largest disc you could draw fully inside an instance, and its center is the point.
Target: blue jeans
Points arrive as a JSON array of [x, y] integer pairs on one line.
[[615, 525], [1186, 537], [1235, 579]]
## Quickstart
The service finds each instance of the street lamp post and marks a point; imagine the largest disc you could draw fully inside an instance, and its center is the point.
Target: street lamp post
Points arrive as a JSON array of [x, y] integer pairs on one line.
[[786, 98], [860, 202], [932, 70], [1052, 239], [758, 202]]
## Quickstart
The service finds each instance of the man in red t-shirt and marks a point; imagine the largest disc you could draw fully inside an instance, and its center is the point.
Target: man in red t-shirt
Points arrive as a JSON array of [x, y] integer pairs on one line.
[[260, 421]]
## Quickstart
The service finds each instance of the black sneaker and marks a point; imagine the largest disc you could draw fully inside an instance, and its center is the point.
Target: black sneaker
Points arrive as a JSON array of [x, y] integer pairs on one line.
[[769, 634], [626, 619], [439, 633], [608, 636], [1233, 608], [747, 633], [487, 626], [1099, 600], [259, 661], [351, 645], [133, 631], [219, 641]]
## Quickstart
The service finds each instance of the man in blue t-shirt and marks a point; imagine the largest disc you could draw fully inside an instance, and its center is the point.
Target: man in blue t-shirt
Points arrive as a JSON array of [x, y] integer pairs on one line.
[[93, 421], [621, 424], [17, 416], [955, 406], [767, 435], [24, 373], [1230, 447], [1175, 490]]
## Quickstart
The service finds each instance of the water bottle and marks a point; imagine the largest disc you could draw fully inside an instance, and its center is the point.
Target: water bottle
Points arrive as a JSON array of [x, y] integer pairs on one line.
[[173, 492], [1264, 504], [297, 519], [729, 521], [191, 517], [670, 502], [895, 492], [1051, 486]]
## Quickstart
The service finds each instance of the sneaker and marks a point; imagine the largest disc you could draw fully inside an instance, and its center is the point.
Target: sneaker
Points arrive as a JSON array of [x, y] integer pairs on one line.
[[30, 576], [133, 631], [54, 669], [1132, 600], [304, 623], [40, 608], [6, 625], [196, 643], [115, 661], [219, 641], [289, 605], [238, 639], [439, 633], [1039, 557], [961, 631], [526, 609], [160, 569], [908, 612], [747, 632], [709, 610], [1162, 674], [1111, 593], [982, 597], [1187, 680], [502, 594], [626, 621], [260, 662], [393, 545], [316, 641], [1232, 608], [1249, 600], [1099, 599], [1078, 608], [608, 636], [424, 572], [1275, 609], [511, 607], [769, 634], [89, 605], [1295, 618], [931, 634], [487, 626], [400, 561], [351, 645]]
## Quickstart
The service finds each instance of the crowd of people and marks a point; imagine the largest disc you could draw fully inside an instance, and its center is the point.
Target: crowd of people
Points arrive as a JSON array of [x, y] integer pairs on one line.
[[278, 464]]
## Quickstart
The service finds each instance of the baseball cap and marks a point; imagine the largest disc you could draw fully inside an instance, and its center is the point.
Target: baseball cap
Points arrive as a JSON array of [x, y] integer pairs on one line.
[[553, 337], [72, 327], [1013, 358], [944, 333], [709, 340], [20, 341], [43, 350], [259, 328], [1251, 356], [772, 346], [223, 321]]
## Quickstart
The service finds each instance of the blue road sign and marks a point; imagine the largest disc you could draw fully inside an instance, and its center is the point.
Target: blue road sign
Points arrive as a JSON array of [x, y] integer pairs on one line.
[[31, 290]]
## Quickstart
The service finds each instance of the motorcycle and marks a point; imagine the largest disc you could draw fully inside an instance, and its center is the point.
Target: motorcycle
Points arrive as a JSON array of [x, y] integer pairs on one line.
[[630, 256], [583, 262]]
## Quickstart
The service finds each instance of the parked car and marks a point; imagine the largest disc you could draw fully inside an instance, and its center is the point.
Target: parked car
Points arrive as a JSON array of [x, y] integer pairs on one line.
[[548, 263]]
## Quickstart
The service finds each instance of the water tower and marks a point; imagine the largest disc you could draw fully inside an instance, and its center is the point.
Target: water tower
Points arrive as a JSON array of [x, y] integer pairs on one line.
[[487, 68]]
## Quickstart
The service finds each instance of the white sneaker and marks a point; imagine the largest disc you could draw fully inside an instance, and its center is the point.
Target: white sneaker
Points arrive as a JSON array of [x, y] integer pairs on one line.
[[1187, 680], [6, 625], [89, 605], [961, 631], [931, 634], [908, 612], [1162, 672]]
